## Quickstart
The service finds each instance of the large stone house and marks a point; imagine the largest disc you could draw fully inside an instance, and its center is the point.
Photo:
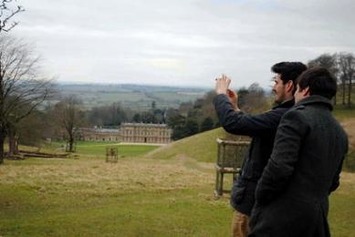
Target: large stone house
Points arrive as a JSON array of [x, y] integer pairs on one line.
[[99, 134], [129, 133], [145, 133]]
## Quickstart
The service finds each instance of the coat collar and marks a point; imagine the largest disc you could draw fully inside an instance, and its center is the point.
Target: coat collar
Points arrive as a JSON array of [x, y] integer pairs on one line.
[[285, 104], [315, 99]]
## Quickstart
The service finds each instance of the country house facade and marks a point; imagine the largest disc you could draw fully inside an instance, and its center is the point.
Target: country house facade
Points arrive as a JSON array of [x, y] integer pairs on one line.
[[129, 133]]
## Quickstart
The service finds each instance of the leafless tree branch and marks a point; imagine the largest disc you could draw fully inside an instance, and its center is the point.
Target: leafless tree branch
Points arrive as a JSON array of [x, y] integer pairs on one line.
[[6, 13]]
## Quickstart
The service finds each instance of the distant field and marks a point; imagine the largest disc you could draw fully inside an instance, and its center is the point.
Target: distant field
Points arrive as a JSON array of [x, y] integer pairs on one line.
[[132, 96], [342, 113], [137, 100], [124, 150], [98, 149]]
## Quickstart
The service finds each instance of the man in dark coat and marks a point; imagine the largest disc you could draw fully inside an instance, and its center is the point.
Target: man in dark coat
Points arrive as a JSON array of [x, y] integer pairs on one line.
[[304, 168], [261, 128]]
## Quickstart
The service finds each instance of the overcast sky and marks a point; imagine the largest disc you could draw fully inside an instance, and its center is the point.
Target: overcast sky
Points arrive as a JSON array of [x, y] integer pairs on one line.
[[181, 42]]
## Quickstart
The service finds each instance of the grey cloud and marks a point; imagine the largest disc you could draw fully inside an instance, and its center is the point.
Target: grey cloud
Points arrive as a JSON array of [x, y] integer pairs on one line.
[[188, 41]]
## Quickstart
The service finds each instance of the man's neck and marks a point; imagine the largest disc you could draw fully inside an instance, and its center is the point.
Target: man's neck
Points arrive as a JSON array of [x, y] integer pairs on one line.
[[286, 100]]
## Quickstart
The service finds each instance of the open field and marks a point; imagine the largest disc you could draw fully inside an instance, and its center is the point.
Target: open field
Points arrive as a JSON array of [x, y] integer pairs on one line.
[[88, 197], [134, 197]]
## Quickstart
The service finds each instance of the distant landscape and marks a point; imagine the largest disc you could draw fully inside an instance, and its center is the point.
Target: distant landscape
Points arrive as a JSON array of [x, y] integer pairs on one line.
[[137, 97]]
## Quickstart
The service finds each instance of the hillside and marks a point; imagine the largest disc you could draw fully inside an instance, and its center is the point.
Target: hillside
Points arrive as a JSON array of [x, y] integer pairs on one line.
[[203, 147]]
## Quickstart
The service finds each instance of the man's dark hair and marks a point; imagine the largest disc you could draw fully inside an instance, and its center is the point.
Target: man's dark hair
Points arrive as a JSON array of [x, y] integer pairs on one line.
[[288, 70], [320, 82]]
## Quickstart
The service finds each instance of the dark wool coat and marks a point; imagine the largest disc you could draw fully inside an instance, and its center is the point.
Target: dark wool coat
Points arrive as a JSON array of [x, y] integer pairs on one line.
[[292, 193], [262, 129]]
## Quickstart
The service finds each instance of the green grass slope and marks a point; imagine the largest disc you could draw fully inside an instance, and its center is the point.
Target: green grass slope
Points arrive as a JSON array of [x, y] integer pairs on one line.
[[203, 147], [200, 147]]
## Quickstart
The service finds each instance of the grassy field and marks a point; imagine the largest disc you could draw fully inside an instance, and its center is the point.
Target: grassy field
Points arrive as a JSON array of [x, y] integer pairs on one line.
[[89, 197], [98, 149], [342, 207], [150, 191]]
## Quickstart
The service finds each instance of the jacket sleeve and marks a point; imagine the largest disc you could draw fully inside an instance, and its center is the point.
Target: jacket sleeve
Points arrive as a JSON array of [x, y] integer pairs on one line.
[[240, 123], [336, 178], [285, 154]]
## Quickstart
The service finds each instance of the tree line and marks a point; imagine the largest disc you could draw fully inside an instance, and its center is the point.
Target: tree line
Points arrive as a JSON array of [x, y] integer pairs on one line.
[[342, 65]]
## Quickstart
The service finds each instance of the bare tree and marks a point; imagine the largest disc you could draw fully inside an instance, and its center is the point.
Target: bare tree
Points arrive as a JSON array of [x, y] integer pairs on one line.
[[8, 9], [328, 61], [69, 116], [255, 99], [347, 74], [22, 89]]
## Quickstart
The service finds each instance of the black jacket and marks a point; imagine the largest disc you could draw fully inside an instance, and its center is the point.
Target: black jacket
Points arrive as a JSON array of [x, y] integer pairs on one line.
[[292, 194], [262, 129]]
